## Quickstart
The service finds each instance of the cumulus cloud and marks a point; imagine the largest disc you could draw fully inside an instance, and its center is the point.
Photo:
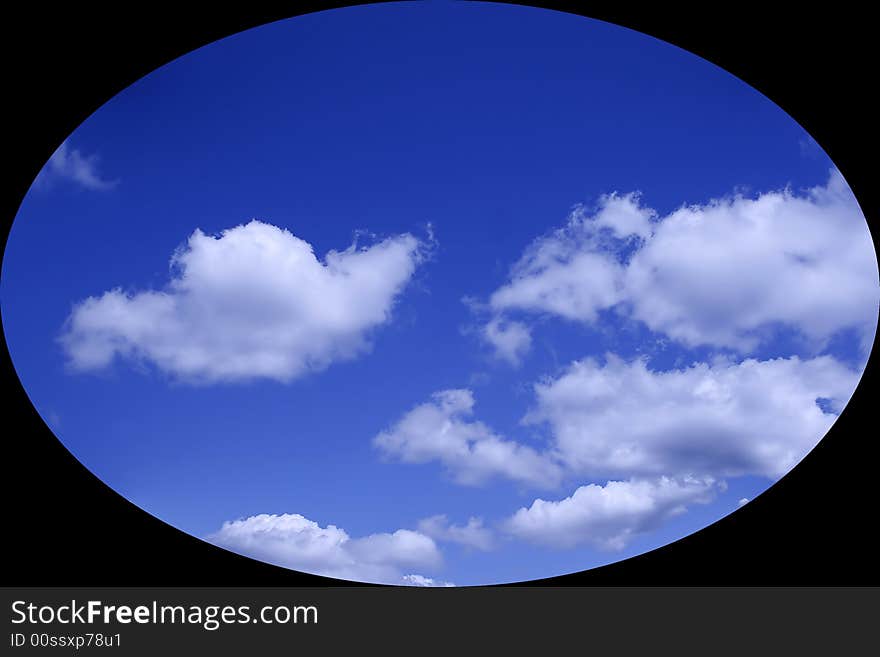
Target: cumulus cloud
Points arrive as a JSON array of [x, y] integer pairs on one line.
[[718, 274], [70, 164], [664, 440], [728, 274], [725, 419], [723, 274], [473, 535], [292, 541], [743, 501], [510, 340], [609, 516], [571, 273], [440, 431], [253, 302], [620, 420]]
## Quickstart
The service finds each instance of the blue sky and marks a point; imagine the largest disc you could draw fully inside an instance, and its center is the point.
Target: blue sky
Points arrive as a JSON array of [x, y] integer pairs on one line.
[[590, 268]]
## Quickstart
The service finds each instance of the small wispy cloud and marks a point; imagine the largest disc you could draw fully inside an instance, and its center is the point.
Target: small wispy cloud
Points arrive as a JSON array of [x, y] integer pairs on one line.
[[510, 340], [420, 580], [72, 165], [472, 535]]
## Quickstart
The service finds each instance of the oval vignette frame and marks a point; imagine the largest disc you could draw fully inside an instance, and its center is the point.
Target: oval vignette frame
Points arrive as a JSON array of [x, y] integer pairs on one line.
[[856, 400]]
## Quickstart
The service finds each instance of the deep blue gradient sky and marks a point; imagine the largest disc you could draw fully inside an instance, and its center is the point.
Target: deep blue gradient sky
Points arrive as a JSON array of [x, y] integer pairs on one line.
[[486, 122]]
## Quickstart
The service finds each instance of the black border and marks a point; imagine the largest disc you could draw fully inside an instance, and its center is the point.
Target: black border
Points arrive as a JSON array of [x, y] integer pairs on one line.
[[64, 527]]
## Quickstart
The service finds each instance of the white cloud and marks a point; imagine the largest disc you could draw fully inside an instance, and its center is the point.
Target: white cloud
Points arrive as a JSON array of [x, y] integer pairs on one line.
[[510, 340], [623, 215], [721, 274], [726, 419], [571, 272], [663, 440], [621, 420], [472, 453], [292, 541], [718, 274], [419, 580], [70, 164], [742, 502], [568, 273], [473, 535], [254, 302], [608, 516], [725, 274]]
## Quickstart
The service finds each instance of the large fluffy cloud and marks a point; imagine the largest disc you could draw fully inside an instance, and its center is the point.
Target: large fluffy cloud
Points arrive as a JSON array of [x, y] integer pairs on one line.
[[722, 274], [661, 440], [440, 431], [621, 419], [718, 274], [292, 541], [608, 516], [253, 302]]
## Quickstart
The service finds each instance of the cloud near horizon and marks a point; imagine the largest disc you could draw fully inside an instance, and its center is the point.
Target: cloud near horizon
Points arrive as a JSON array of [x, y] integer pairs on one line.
[[253, 302], [420, 580], [609, 516], [293, 541]]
